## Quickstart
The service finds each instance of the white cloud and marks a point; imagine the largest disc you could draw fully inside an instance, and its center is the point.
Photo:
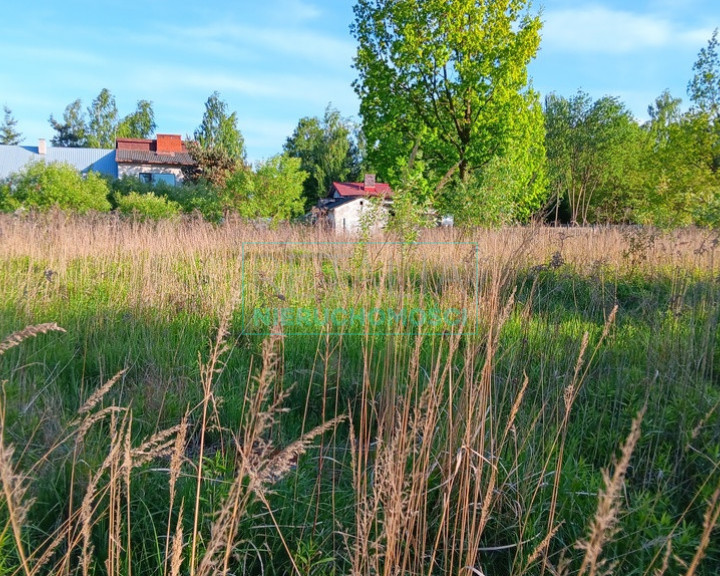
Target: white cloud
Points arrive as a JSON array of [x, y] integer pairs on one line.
[[299, 10], [597, 29]]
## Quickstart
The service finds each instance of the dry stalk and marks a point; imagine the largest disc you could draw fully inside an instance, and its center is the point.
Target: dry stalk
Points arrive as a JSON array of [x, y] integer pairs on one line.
[[710, 521], [16, 338]]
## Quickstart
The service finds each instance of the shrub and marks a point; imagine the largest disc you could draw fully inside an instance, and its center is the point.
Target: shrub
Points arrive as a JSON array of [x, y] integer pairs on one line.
[[43, 186], [7, 202], [147, 206]]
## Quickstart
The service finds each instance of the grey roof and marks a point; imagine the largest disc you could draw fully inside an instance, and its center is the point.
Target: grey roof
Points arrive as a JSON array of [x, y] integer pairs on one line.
[[102, 160], [148, 157], [332, 203]]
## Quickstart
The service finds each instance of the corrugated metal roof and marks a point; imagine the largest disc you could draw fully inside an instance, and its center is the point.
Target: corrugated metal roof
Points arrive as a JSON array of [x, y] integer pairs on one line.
[[145, 157], [15, 158]]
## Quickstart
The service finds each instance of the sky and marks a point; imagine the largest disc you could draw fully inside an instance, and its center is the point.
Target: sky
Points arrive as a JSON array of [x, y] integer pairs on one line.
[[276, 61]]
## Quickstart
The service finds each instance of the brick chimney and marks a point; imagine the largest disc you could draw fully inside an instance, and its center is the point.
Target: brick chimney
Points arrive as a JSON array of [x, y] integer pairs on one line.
[[169, 143], [42, 147], [369, 185]]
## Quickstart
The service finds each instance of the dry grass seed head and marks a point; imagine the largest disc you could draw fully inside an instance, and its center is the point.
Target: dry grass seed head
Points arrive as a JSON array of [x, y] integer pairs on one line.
[[604, 524], [16, 338]]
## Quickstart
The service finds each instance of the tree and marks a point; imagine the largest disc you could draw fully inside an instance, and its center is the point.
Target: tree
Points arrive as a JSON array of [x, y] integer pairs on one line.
[[101, 127], [327, 152], [8, 134], [219, 147], [445, 77], [72, 132], [274, 190], [212, 165], [103, 121], [704, 91], [591, 152], [139, 124], [218, 129], [44, 186], [679, 187], [704, 88]]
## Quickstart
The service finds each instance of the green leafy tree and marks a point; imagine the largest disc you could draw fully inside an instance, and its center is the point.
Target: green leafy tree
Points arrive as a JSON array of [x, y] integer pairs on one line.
[[327, 150], [448, 78], [274, 190], [102, 123], [139, 124], [43, 186], [678, 185], [218, 129], [704, 92], [592, 150], [98, 126], [219, 147], [8, 132], [72, 131], [704, 88]]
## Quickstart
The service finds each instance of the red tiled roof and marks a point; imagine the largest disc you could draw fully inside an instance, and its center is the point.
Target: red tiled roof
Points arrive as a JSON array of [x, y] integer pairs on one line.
[[348, 189]]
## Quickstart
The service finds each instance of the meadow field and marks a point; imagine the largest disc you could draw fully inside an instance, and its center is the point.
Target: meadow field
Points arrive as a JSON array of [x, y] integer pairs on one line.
[[186, 398]]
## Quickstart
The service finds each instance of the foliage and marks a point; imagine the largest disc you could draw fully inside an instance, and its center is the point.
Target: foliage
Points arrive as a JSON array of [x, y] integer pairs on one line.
[[704, 87], [8, 132], [218, 130], [199, 198], [677, 188], [485, 201], [147, 206], [212, 165], [8, 202], [43, 186], [101, 126], [218, 148], [447, 78], [274, 190], [327, 150], [138, 124], [591, 147], [72, 131], [102, 115]]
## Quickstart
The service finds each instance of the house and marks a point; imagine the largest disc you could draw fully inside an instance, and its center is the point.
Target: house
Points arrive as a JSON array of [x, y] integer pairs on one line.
[[15, 158], [158, 160], [349, 203]]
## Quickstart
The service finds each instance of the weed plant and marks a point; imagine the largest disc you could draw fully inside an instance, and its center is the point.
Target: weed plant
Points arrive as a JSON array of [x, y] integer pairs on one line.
[[149, 425]]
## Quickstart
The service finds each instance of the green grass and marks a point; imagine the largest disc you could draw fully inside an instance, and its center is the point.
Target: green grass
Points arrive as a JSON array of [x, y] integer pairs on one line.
[[456, 451]]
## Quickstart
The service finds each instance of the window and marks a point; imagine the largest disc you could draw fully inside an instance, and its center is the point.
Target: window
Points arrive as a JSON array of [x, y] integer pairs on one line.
[[155, 177]]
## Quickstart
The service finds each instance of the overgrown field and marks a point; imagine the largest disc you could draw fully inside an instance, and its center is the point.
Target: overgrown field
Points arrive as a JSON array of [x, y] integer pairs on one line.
[[165, 410]]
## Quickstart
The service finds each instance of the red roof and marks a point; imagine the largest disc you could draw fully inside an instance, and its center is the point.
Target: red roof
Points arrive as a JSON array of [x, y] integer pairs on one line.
[[350, 189], [166, 149]]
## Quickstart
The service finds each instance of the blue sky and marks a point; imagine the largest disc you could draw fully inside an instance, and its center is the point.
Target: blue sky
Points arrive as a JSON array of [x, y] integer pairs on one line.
[[275, 61]]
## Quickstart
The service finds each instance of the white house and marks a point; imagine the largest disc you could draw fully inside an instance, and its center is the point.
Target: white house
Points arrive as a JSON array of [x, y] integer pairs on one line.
[[158, 160], [351, 203]]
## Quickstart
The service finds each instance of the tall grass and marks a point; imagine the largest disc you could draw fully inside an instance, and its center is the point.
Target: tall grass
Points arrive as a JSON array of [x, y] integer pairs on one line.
[[569, 425]]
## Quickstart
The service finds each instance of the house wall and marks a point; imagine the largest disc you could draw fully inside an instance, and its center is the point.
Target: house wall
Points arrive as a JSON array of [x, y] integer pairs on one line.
[[137, 169], [346, 219]]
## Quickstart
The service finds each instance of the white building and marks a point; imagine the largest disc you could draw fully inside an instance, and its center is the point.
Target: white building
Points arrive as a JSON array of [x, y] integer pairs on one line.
[[351, 205]]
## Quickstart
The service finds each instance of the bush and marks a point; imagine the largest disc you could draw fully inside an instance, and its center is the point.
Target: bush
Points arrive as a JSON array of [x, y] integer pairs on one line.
[[7, 202], [147, 206], [43, 186]]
